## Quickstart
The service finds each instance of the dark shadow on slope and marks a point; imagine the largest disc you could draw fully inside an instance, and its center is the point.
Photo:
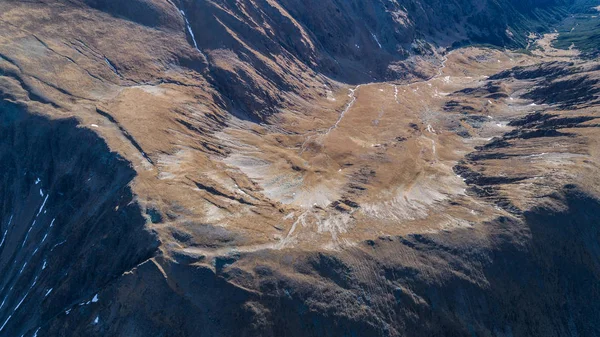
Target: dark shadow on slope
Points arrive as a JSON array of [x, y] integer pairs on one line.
[[68, 217]]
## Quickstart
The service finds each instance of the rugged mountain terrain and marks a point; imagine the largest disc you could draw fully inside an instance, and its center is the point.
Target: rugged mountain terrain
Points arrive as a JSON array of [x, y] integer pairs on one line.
[[299, 168]]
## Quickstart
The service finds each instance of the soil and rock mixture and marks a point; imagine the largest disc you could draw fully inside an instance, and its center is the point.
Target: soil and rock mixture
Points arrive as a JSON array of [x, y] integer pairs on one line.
[[297, 168]]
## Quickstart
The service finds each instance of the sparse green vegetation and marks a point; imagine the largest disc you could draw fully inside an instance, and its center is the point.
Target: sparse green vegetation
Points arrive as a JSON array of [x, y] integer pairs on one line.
[[524, 51], [582, 32]]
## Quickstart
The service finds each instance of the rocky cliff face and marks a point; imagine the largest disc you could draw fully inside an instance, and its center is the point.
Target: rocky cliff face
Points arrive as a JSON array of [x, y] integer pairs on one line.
[[70, 224], [255, 50], [289, 168]]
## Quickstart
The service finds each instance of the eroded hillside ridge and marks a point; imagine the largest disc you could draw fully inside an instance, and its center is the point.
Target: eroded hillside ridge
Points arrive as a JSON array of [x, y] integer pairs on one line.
[[255, 49], [529, 277], [70, 225], [532, 271], [237, 168]]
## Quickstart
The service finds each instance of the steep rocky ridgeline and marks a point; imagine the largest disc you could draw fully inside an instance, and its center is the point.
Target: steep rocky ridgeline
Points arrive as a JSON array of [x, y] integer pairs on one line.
[[297, 168], [255, 50], [70, 225], [538, 274], [573, 93]]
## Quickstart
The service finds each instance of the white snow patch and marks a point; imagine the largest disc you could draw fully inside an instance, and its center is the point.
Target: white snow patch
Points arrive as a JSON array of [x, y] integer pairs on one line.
[[8, 319], [94, 125], [112, 67], [376, 40], [27, 235], [3, 237], [48, 292], [58, 244], [43, 204], [330, 96], [37, 181], [6, 231], [23, 267], [536, 155], [97, 319], [95, 299], [189, 29], [44, 238], [20, 302]]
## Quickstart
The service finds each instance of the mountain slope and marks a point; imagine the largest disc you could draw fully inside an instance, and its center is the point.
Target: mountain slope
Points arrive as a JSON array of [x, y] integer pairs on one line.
[[287, 168]]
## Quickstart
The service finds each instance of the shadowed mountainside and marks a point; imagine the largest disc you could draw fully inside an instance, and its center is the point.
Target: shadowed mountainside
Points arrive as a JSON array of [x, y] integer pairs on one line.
[[296, 168], [70, 224]]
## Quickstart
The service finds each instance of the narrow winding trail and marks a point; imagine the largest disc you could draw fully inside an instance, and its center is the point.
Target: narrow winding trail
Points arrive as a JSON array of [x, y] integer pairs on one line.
[[352, 95]]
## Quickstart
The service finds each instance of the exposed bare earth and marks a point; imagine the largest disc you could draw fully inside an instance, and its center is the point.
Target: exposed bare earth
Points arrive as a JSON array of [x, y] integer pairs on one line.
[[365, 161], [341, 169]]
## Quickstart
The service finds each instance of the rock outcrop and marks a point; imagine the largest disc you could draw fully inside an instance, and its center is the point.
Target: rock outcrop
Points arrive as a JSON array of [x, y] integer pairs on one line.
[[289, 168]]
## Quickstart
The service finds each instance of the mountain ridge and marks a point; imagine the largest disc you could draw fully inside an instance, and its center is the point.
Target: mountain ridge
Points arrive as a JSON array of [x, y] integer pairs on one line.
[[212, 176]]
